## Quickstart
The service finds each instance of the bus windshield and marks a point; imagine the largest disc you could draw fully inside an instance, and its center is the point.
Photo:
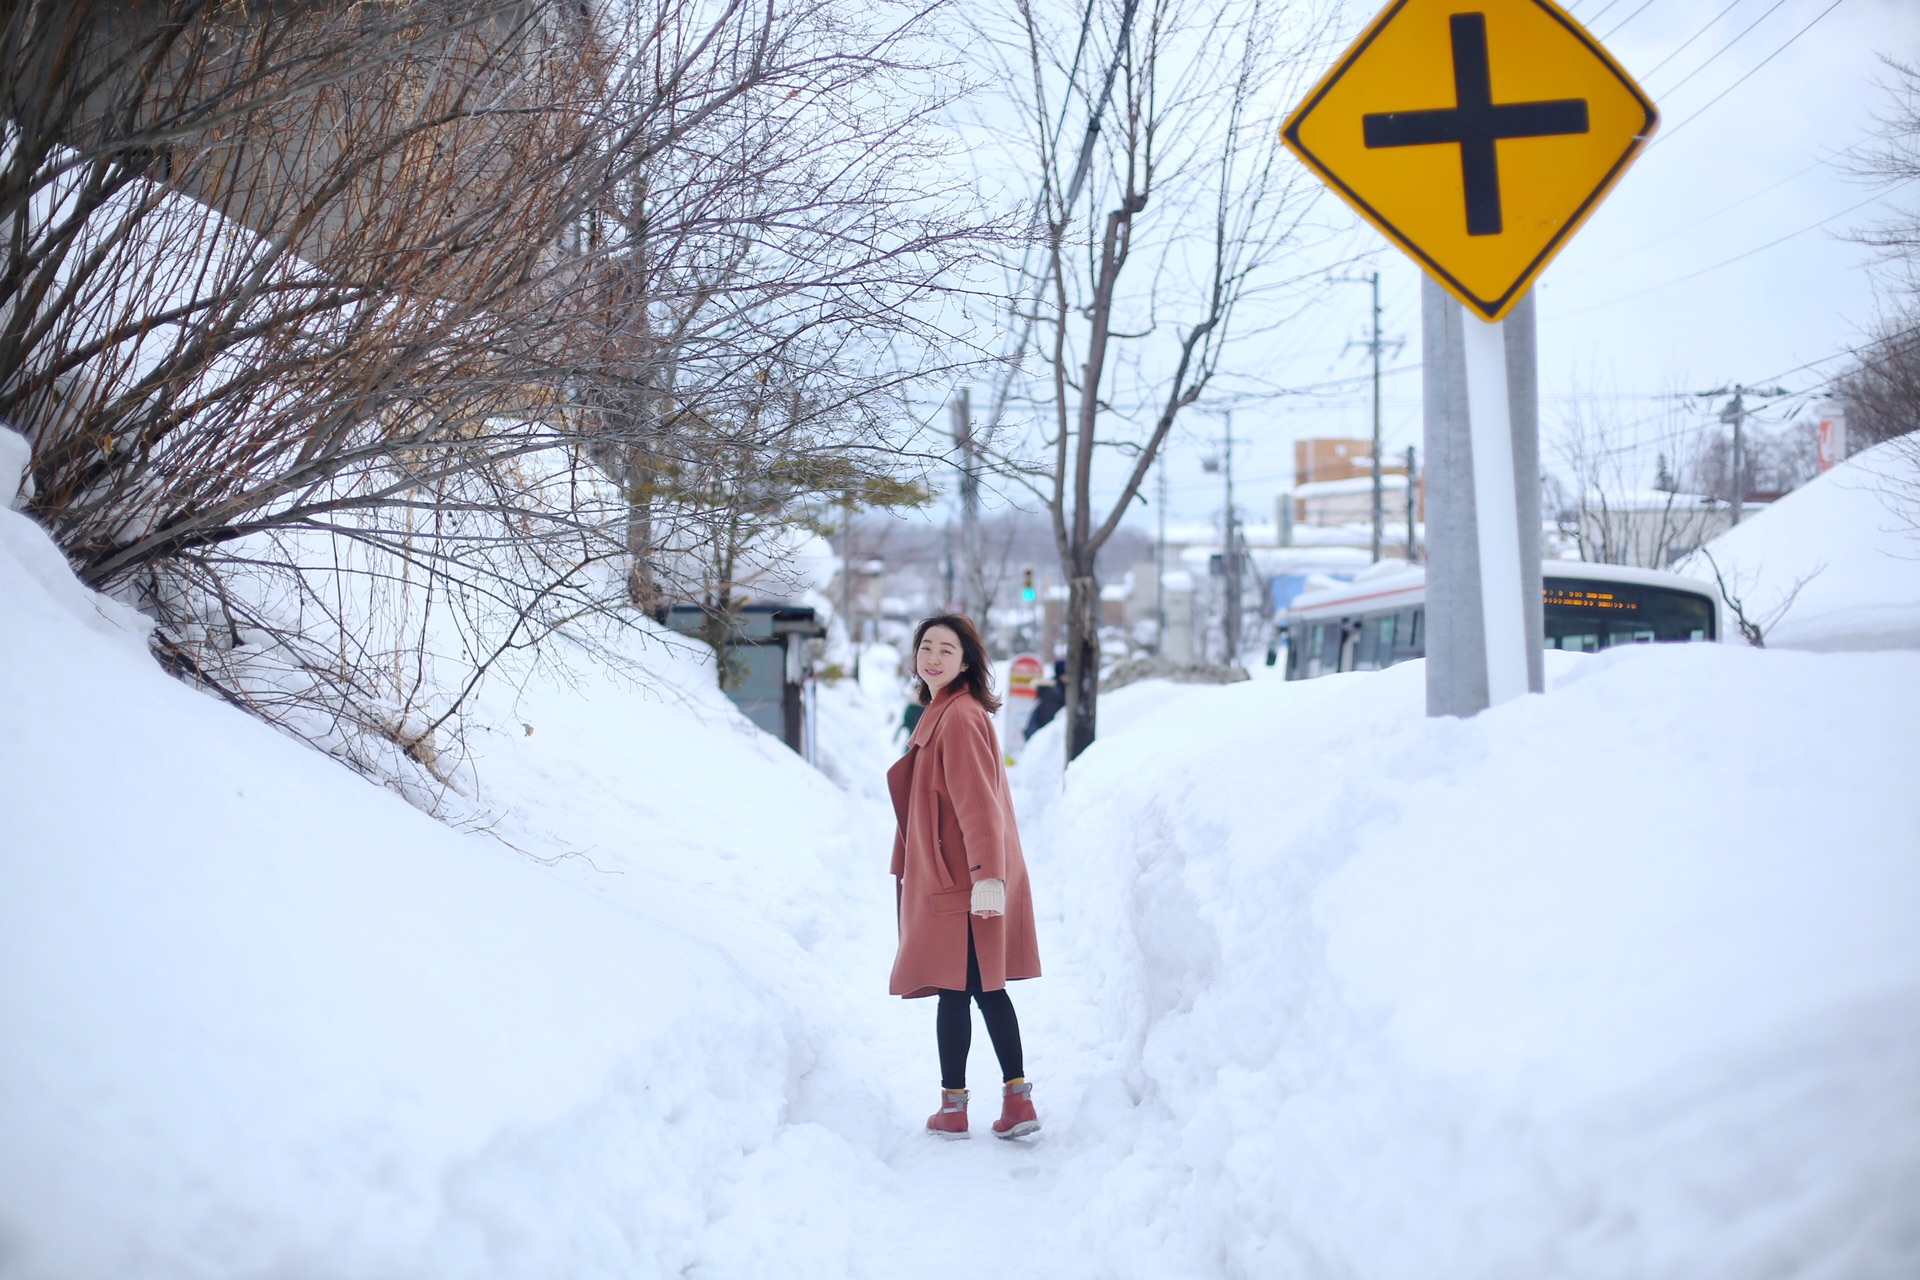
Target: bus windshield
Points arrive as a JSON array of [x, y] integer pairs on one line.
[[1585, 615]]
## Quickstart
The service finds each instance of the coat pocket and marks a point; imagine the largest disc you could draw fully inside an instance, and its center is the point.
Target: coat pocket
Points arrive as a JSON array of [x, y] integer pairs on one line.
[[940, 869], [947, 904]]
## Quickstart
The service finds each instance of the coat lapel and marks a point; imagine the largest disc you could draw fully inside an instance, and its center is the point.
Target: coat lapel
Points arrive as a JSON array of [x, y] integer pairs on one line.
[[930, 719]]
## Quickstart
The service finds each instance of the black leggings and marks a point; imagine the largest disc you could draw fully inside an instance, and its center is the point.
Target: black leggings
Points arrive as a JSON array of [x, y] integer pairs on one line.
[[953, 1026]]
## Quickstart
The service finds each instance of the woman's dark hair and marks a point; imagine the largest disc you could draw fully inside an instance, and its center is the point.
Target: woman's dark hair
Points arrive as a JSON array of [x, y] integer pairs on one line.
[[977, 679]]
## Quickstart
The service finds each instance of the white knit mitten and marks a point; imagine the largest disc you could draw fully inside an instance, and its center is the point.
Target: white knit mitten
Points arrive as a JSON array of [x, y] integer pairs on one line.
[[989, 897]]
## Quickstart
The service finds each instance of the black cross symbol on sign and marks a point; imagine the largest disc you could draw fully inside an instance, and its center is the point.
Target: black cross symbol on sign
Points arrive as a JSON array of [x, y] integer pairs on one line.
[[1475, 123]]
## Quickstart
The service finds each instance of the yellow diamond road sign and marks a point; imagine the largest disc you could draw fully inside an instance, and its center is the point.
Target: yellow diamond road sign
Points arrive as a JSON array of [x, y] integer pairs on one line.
[[1477, 134]]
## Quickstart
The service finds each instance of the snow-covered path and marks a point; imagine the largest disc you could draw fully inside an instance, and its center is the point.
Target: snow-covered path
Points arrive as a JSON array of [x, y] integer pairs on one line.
[[860, 1189]]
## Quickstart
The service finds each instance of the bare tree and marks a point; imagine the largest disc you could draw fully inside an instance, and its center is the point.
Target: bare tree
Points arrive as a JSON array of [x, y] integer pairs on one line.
[[1616, 511], [1157, 226], [350, 341], [1881, 390], [1754, 624]]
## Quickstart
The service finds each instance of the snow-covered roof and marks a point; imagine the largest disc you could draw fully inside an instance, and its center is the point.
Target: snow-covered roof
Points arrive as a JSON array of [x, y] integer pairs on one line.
[[1351, 485], [1660, 500]]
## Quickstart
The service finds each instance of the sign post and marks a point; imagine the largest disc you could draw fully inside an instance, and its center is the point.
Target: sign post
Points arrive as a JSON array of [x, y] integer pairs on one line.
[[1477, 135], [1022, 676]]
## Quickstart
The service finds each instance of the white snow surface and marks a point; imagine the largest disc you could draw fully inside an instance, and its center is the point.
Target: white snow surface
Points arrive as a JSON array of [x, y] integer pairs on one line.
[[1848, 540], [1616, 982]]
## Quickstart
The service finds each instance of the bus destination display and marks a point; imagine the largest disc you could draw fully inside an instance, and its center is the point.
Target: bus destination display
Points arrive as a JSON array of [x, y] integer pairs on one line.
[[1573, 598]]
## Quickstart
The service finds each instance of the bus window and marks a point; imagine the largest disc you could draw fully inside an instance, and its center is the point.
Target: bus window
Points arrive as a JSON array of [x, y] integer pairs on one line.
[[1366, 645], [1406, 636], [1584, 615], [1313, 651], [1574, 641]]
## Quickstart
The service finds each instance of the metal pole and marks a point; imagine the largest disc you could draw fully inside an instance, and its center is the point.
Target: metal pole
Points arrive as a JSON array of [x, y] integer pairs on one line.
[[1379, 507], [1496, 509], [1456, 620]]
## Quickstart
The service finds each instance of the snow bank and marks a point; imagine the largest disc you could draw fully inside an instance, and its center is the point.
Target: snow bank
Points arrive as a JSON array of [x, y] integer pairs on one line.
[[265, 1018], [1850, 540], [1614, 982]]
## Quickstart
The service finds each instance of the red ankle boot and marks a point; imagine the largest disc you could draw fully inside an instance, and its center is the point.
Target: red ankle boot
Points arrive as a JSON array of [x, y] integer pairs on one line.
[[1016, 1112], [950, 1121]]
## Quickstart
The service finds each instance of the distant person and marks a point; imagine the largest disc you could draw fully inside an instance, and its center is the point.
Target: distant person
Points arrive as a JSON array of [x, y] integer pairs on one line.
[[1048, 699], [909, 720], [960, 883]]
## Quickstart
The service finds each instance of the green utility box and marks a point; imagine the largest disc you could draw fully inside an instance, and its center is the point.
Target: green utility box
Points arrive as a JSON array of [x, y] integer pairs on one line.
[[766, 664]]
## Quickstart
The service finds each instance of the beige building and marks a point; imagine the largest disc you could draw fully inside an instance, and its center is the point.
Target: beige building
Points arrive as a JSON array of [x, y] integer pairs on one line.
[[1651, 528], [1333, 485]]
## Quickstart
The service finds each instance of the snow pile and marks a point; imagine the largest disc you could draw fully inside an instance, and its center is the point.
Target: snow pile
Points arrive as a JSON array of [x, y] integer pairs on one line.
[[1849, 541], [1615, 982], [264, 1017]]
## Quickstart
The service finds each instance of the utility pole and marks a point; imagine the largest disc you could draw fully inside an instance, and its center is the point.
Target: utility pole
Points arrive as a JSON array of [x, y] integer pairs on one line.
[[1412, 545], [1160, 567], [1735, 413], [1231, 564], [1375, 346], [1379, 506]]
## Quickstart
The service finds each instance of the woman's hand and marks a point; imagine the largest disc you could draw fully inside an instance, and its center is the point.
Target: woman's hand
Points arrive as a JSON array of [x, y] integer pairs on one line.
[[989, 898]]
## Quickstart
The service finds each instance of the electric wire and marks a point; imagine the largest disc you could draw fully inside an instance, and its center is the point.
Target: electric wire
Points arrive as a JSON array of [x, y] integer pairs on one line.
[[1745, 31], [1725, 262], [1655, 69], [1749, 75], [1671, 232], [1624, 21]]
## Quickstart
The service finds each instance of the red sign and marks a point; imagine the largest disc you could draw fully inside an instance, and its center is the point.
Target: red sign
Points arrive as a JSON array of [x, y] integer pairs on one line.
[[1833, 441], [1025, 674]]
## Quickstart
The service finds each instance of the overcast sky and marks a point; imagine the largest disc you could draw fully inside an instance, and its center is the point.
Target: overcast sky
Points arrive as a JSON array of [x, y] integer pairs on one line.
[[1717, 259]]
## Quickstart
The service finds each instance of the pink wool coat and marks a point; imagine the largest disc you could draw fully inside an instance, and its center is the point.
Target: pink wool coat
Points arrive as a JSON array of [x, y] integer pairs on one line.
[[955, 827]]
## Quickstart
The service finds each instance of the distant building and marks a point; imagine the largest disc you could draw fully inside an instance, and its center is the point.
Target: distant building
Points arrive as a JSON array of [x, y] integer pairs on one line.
[[1192, 583], [1650, 528], [1333, 487]]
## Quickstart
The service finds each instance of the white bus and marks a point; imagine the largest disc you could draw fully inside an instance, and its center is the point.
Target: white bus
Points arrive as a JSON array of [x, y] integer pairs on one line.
[[1380, 619]]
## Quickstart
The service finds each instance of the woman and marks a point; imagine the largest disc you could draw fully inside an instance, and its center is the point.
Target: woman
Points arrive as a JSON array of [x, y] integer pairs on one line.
[[966, 914]]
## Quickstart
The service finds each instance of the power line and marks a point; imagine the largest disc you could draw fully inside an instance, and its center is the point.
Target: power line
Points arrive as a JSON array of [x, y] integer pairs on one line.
[[1743, 79], [1709, 217], [1624, 21], [1655, 69], [1847, 353], [1727, 262], [1675, 87]]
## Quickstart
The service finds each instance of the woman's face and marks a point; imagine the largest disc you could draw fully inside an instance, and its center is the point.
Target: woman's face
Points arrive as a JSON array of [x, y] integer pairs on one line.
[[937, 660]]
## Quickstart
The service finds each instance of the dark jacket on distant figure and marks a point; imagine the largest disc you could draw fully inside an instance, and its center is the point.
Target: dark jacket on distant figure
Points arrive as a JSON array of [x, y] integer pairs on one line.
[[1048, 700]]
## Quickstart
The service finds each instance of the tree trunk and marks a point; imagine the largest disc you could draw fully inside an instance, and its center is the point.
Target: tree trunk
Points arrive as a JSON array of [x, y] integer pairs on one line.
[[641, 591], [1083, 661]]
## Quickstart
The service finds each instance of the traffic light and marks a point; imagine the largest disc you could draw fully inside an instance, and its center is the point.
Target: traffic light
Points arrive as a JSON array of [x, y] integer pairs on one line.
[[1026, 585]]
